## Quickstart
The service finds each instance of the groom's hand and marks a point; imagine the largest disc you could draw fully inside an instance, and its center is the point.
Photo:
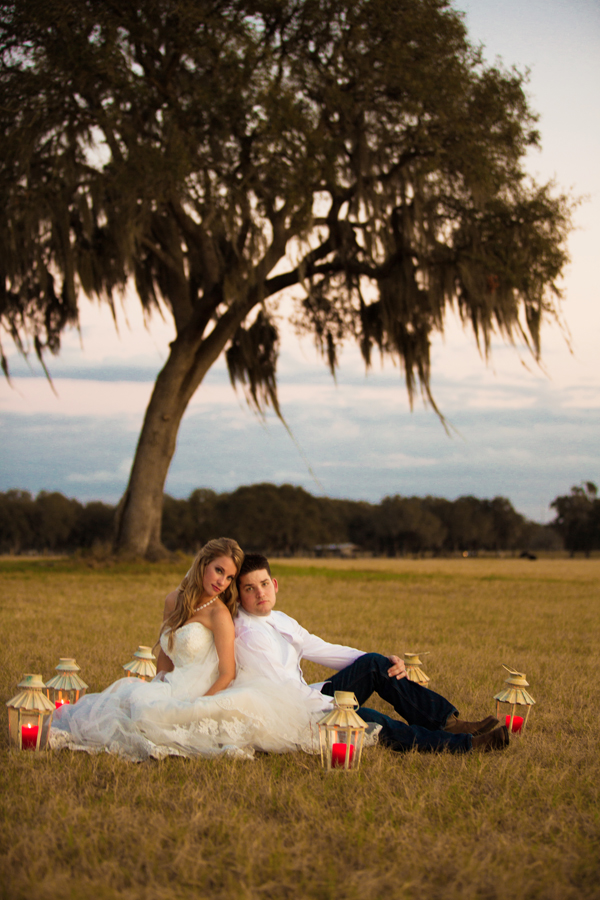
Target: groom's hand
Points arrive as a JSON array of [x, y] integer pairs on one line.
[[398, 669]]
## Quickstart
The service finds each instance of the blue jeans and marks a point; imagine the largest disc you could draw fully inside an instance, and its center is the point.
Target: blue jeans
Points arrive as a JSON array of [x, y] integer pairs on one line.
[[425, 711]]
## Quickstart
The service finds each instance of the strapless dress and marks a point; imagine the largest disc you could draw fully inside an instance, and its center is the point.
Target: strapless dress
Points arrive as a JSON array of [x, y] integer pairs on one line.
[[136, 720]]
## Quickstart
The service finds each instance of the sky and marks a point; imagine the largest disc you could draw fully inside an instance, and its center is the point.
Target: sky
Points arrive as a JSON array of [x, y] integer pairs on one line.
[[516, 429]]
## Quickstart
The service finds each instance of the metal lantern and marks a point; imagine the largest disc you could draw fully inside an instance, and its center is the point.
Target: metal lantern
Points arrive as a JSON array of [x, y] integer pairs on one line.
[[514, 694], [30, 715], [341, 734], [142, 665], [67, 686], [414, 672]]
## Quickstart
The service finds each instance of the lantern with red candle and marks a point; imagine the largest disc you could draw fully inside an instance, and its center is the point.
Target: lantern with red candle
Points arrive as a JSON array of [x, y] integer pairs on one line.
[[414, 672], [341, 734], [29, 715], [142, 665], [514, 694], [67, 686]]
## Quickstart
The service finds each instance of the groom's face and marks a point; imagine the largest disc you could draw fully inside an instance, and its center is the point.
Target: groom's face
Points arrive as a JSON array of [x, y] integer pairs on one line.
[[257, 592]]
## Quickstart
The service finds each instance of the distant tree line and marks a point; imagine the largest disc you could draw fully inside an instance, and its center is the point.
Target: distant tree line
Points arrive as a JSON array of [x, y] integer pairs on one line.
[[287, 520], [52, 523]]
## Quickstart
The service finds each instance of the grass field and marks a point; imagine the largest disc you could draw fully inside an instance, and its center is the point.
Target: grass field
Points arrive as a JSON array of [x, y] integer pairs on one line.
[[524, 823]]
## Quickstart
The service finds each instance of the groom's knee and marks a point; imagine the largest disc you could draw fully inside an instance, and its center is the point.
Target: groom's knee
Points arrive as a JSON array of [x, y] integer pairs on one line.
[[377, 662]]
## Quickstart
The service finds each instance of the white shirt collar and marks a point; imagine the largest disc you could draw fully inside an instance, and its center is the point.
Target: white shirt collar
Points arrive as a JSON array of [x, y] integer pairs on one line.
[[255, 620]]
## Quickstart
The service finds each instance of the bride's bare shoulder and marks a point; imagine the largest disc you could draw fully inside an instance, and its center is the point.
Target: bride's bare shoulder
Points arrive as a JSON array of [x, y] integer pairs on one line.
[[170, 602], [218, 616]]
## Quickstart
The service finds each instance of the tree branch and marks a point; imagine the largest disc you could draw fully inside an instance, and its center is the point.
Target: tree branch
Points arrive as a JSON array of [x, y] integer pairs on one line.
[[304, 269]]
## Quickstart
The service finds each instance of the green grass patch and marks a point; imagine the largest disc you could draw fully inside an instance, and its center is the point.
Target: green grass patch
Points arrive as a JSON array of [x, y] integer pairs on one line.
[[343, 574], [89, 566]]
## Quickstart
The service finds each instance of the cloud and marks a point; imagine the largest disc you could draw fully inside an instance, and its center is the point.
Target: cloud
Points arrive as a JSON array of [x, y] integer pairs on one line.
[[102, 476], [32, 396], [382, 461]]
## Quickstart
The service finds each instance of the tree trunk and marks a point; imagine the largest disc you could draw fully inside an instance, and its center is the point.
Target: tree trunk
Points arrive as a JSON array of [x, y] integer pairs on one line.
[[138, 521]]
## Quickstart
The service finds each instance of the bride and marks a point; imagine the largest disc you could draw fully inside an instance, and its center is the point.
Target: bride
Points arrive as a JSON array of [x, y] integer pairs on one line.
[[194, 707]]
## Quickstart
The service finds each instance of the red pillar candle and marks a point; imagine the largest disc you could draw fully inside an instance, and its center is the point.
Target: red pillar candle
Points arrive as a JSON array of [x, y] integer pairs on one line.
[[517, 723], [338, 755], [61, 703], [29, 736]]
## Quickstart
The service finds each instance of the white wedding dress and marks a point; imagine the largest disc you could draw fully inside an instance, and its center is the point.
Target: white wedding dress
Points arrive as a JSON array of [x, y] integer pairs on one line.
[[136, 720]]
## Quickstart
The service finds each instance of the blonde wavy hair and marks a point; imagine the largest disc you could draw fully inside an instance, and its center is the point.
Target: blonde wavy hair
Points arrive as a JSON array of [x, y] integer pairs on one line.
[[190, 589]]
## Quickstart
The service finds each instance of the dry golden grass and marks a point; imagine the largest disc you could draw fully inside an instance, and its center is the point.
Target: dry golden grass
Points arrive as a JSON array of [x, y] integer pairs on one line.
[[520, 824]]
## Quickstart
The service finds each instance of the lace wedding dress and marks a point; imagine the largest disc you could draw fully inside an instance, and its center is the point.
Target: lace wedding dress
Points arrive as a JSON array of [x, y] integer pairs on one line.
[[137, 720]]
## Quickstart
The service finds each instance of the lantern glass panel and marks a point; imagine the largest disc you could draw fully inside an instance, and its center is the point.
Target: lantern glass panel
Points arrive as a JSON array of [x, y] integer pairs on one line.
[[514, 716], [46, 721], [28, 729], [341, 746], [58, 697], [62, 696], [14, 732]]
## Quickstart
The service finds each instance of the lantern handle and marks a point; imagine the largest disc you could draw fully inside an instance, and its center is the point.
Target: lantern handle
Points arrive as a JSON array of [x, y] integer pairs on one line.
[[513, 671], [345, 699]]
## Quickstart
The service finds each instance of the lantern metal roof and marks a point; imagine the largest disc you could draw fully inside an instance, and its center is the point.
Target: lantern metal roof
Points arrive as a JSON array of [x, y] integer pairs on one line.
[[67, 678], [32, 696], [143, 664], [343, 714], [413, 663], [515, 692]]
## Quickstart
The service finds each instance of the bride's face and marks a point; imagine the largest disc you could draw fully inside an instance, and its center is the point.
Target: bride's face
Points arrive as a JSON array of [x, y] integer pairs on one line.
[[218, 575]]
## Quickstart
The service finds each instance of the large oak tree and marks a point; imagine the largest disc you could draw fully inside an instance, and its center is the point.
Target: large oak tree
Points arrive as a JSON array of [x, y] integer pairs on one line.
[[218, 152]]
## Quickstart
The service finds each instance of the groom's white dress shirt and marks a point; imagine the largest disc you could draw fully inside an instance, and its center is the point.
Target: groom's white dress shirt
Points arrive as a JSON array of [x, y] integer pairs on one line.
[[272, 647]]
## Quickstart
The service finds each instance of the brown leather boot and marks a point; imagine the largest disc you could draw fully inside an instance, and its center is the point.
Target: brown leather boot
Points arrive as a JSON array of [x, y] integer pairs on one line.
[[457, 726], [495, 740]]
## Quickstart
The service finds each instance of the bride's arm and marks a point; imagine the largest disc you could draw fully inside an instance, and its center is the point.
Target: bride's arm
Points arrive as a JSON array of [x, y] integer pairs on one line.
[[163, 663], [221, 625]]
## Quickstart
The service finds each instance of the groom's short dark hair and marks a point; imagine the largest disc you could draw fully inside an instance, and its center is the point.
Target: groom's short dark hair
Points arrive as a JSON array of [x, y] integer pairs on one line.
[[252, 563]]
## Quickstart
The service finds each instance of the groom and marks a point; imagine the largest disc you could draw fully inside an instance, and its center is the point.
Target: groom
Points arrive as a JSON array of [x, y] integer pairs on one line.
[[271, 644]]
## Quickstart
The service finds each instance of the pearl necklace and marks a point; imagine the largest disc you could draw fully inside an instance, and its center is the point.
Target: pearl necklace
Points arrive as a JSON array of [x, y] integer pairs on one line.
[[198, 608]]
